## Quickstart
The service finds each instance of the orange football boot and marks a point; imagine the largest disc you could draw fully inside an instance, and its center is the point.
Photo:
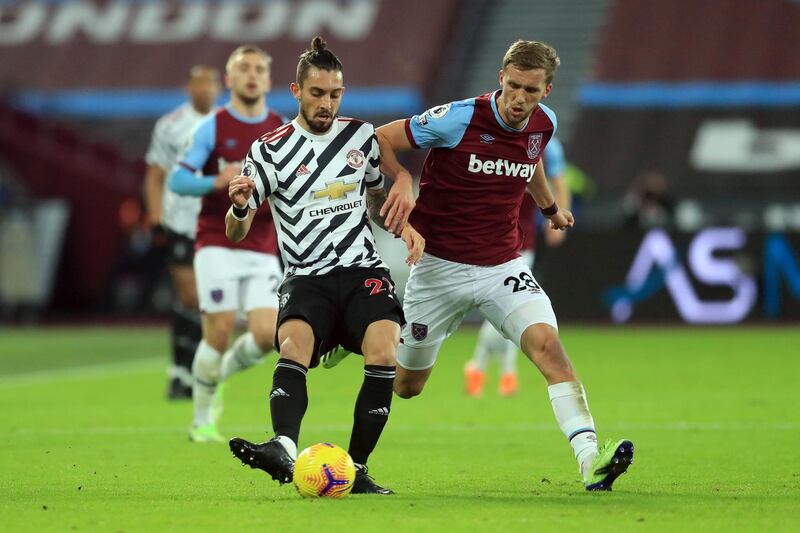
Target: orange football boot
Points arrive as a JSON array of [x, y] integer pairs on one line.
[[473, 380], [508, 384]]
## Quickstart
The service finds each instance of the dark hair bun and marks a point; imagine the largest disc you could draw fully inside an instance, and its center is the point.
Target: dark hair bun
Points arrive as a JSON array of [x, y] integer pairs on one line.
[[318, 44]]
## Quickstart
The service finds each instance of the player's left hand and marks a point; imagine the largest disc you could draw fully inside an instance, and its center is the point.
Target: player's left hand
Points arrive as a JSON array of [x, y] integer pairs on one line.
[[415, 244], [399, 203], [561, 220]]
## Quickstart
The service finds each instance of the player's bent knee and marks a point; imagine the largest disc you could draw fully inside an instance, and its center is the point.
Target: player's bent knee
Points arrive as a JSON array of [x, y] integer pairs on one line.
[[217, 329], [381, 352], [262, 323], [381, 357], [407, 390], [543, 347], [540, 341], [265, 338], [299, 352], [410, 383]]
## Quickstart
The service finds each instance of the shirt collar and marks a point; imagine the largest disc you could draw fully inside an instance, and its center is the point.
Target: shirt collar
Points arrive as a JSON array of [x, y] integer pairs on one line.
[[493, 100], [328, 135], [248, 120]]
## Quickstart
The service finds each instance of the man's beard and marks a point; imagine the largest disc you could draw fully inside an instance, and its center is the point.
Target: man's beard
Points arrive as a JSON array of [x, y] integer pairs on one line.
[[314, 127], [249, 101]]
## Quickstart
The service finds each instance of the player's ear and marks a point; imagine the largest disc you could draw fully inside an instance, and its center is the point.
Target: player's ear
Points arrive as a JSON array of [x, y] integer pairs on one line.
[[295, 90], [227, 81], [547, 90], [501, 77]]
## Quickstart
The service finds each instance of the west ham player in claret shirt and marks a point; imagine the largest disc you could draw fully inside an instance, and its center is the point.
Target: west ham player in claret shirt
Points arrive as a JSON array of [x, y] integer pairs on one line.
[[230, 276], [483, 158]]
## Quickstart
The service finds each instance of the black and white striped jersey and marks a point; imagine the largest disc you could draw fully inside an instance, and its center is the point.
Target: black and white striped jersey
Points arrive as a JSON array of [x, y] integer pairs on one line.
[[316, 187]]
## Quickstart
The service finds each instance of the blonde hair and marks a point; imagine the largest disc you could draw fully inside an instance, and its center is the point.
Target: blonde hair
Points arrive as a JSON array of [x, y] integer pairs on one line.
[[527, 55], [247, 49]]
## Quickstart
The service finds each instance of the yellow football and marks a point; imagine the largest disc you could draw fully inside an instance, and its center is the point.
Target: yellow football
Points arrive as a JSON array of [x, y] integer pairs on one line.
[[324, 470]]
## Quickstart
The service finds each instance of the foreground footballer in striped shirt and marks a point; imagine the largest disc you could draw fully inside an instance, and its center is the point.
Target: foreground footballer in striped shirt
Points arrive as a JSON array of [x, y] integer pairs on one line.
[[320, 175]]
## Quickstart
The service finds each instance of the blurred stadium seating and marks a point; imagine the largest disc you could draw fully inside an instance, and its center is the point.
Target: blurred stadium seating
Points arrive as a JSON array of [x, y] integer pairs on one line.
[[705, 94]]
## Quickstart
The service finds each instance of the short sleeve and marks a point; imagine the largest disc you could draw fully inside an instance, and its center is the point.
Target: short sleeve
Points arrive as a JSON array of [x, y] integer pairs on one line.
[[442, 126], [554, 161], [158, 153], [258, 166], [200, 146], [551, 115], [373, 175]]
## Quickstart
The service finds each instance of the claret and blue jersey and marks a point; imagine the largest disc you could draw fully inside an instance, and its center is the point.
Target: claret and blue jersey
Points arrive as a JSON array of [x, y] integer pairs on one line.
[[474, 178], [223, 139]]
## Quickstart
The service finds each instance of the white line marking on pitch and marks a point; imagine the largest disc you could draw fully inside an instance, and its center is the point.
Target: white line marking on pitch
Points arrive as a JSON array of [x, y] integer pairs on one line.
[[81, 372], [150, 430]]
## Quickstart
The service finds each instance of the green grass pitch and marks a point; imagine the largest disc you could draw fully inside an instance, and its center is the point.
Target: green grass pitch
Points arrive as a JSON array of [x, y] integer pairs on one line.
[[90, 444]]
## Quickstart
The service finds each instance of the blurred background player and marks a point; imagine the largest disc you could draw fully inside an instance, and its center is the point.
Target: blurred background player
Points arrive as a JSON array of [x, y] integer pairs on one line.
[[490, 341], [175, 217], [230, 276], [321, 176]]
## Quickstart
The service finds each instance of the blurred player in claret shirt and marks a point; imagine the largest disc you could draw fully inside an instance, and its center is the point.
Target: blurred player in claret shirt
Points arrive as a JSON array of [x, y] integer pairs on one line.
[[490, 341], [175, 217], [483, 158], [231, 277]]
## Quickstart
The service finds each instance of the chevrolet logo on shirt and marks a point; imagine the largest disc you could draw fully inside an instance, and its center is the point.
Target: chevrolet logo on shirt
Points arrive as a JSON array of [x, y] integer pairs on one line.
[[336, 190]]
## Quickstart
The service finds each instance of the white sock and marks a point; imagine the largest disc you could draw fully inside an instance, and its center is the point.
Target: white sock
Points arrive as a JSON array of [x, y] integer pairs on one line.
[[508, 357], [205, 371], [180, 373], [289, 445], [575, 420], [243, 354], [488, 342]]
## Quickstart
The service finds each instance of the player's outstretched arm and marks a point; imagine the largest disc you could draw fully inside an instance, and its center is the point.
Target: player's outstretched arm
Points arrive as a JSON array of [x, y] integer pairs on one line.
[[560, 218], [239, 217], [400, 202]]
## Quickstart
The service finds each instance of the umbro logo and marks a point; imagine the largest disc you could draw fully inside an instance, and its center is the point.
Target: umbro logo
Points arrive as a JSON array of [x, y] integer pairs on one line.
[[302, 171], [278, 392], [486, 138], [383, 411]]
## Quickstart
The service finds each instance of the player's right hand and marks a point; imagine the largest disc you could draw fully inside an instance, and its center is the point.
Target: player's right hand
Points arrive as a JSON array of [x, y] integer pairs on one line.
[[563, 219], [240, 189], [415, 244]]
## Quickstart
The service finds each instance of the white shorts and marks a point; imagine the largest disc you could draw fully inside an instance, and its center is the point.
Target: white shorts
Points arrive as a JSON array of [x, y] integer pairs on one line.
[[233, 280], [439, 293]]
